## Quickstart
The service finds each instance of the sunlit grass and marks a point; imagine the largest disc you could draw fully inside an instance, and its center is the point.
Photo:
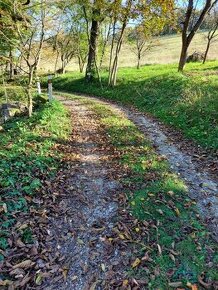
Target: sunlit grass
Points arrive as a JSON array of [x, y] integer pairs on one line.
[[186, 101]]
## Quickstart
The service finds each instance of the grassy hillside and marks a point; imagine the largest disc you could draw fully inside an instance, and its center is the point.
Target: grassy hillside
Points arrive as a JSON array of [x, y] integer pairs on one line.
[[167, 51], [188, 102]]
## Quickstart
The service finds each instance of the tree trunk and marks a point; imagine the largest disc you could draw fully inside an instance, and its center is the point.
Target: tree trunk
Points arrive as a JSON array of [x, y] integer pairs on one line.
[[113, 73], [30, 76], [206, 51], [11, 66], [104, 46], [111, 50], [36, 67], [30, 101], [63, 67], [81, 64], [139, 59], [183, 55], [29, 95], [56, 63], [91, 70], [187, 37]]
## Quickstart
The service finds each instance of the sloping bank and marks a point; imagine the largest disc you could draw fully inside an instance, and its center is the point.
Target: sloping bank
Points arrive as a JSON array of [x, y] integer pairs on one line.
[[29, 161], [188, 102]]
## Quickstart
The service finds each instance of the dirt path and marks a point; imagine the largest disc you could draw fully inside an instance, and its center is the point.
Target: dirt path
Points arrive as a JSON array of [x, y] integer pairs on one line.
[[89, 208], [200, 185]]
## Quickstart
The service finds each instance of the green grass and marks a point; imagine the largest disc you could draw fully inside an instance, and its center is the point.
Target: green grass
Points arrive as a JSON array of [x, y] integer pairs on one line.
[[14, 94], [187, 101], [27, 158], [159, 198]]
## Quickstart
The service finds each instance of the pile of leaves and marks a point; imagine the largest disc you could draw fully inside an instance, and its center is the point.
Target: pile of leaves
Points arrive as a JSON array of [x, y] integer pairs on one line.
[[28, 164]]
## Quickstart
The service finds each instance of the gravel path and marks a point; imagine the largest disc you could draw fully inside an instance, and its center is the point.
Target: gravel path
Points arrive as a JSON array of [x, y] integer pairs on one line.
[[89, 209], [200, 185]]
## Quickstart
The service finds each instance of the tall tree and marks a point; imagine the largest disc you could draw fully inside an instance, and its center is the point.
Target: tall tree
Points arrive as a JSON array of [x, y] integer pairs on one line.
[[143, 39], [65, 45], [91, 65], [12, 15], [99, 9], [191, 25], [125, 13], [212, 33], [129, 10]]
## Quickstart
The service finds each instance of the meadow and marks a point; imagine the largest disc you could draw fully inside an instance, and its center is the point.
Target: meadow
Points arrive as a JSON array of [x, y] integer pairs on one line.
[[188, 102], [166, 52]]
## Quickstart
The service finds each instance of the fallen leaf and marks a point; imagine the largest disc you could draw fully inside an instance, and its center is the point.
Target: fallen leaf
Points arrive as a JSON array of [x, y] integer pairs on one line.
[[5, 282], [125, 283], [172, 258], [175, 284], [159, 249], [80, 242], [17, 271], [177, 212], [122, 236], [22, 227], [171, 193], [160, 211], [5, 207], [24, 281], [20, 244], [38, 279], [93, 286], [103, 267], [65, 272], [136, 263], [24, 265], [204, 284], [135, 282], [192, 286]]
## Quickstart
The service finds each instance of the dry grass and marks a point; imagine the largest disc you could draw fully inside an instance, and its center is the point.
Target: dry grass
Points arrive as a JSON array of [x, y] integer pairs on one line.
[[167, 51]]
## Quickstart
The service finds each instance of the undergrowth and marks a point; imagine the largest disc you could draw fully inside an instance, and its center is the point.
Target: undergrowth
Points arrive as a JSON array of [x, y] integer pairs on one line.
[[27, 158]]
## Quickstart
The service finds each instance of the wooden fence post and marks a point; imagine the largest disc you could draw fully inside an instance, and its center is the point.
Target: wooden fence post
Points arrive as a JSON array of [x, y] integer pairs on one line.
[[50, 97], [38, 86]]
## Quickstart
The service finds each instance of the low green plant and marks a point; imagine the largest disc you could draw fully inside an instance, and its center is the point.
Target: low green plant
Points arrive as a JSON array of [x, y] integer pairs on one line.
[[27, 157]]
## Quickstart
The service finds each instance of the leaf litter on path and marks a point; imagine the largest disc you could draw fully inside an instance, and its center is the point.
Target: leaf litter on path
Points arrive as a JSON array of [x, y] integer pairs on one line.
[[86, 235]]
